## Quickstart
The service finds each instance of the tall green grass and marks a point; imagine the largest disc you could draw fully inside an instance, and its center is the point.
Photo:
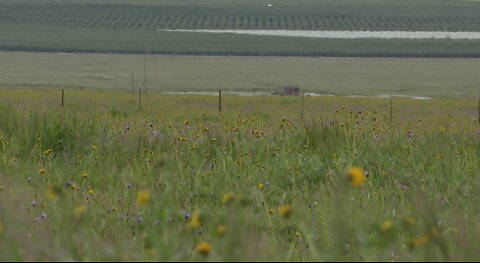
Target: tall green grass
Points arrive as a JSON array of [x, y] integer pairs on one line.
[[277, 185]]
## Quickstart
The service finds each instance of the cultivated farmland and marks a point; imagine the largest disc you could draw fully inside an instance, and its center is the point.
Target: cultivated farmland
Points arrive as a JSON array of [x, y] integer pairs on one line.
[[90, 26]]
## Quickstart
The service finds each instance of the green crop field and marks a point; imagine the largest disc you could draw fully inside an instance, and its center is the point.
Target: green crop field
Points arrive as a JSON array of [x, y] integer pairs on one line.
[[100, 180], [132, 26]]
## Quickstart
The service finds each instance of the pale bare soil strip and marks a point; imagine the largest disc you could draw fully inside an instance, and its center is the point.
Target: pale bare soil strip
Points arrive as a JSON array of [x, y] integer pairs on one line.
[[347, 34]]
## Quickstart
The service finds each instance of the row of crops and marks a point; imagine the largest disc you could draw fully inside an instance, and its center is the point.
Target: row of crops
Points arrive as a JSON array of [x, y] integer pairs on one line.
[[191, 17], [131, 27], [295, 22]]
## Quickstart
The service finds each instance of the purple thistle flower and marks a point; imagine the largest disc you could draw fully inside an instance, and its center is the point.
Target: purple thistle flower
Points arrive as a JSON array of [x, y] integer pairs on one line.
[[41, 217], [156, 133], [410, 134]]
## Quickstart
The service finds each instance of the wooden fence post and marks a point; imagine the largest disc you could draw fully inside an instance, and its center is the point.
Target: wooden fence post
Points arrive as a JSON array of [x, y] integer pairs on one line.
[[220, 101], [303, 103], [63, 96], [133, 82], [391, 109], [140, 98], [478, 120]]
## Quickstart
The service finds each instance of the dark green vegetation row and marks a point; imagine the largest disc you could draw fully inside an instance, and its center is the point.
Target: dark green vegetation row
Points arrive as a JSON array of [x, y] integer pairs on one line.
[[299, 15], [132, 27]]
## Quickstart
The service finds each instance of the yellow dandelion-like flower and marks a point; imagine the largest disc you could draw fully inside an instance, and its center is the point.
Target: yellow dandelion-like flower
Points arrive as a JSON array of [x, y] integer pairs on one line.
[[298, 235], [204, 248], [271, 211], [85, 175], [409, 221], [90, 191], [73, 187], [79, 211], [195, 221], [148, 247], [42, 171], [421, 241], [94, 148], [228, 198], [386, 226], [452, 230], [261, 186], [285, 211], [143, 198], [53, 192], [221, 230], [47, 152], [357, 176]]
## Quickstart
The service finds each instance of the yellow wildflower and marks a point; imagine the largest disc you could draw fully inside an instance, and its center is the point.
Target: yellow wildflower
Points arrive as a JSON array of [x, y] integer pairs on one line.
[[42, 170], [221, 230], [79, 211], [261, 186], [85, 174], [228, 198], [195, 221], [285, 211], [148, 246], [143, 198], [386, 226], [90, 191], [47, 152], [204, 248], [53, 192], [94, 148], [421, 241], [356, 176], [73, 187], [409, 221]]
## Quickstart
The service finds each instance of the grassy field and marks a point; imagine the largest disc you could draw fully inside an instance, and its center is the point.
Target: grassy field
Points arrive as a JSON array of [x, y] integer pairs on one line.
[[99, 180], [285, 178], [131, 27], [338, 76]]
